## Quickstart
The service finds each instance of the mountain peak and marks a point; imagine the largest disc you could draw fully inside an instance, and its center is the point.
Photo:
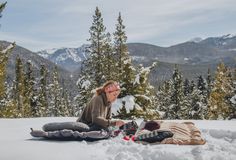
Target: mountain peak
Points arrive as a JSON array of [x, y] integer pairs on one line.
[[196, 39], [228, 36]]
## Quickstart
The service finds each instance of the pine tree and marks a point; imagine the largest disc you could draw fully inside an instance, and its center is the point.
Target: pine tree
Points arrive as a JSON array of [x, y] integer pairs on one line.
[[7, 107], [144, 92], [121, 51], [187, 89], [55, 104], [197, 107], [233, 97], [4, 55], [96, 69], [219, 105], [66, 108], [164, 99], [209, 83], [97, 48], [85, 86], [232, 94], [19, 87], [177, 109], [30, 91], [43, 93], [202, 85], [109, 68], [125, 70]]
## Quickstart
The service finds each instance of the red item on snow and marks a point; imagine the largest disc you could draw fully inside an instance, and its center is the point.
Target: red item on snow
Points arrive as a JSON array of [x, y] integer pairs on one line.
[[127, 138]]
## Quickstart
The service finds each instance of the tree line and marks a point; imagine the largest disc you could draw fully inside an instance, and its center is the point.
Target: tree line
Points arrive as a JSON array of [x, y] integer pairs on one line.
[[108, 59]]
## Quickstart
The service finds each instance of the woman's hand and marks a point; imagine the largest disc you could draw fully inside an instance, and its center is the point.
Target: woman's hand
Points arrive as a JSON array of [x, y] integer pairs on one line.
[[119, 123]]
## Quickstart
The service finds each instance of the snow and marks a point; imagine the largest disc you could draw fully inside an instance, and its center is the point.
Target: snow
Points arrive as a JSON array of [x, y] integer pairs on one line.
[[233, 99], [196, 39], [228, 36], [186, 59], [129, 104], [8, 48], [17, 143]]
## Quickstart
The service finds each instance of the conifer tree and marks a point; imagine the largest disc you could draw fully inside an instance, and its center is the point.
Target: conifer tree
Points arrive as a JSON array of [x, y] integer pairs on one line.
[[43, 93], [125, 70], [66, 108], [197, 107], [201, 85], [19, 87], [144, 92], [187, 89], [95, 69], [55, 105], [7, 107], [109, 68], [177, 109], [85, 86], [4, 54], [30, 91], [233, 97], [97, 48], [209, 83], [219, 105], [164, 99]]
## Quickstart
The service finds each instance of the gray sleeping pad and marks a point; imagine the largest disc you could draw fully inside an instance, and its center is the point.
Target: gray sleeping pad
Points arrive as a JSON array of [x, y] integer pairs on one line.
[[75, 126]]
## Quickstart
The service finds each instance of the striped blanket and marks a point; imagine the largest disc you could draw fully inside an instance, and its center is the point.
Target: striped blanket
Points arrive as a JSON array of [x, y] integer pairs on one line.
[[184, 133]]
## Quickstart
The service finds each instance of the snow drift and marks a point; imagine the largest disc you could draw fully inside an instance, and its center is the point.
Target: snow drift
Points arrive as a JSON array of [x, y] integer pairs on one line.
[[16, 143]]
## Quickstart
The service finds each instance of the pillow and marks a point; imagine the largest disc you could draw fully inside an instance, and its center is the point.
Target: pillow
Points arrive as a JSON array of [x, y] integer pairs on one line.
[[75, 126]]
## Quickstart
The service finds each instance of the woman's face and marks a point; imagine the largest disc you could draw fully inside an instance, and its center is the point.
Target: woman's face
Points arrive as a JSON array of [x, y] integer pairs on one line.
[[112, 96]]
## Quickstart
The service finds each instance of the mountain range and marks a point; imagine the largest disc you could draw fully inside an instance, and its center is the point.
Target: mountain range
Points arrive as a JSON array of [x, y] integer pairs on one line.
[[193, 58]]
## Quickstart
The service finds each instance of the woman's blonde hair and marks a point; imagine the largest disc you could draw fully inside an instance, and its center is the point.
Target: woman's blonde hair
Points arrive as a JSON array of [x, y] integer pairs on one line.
[[101, 89]]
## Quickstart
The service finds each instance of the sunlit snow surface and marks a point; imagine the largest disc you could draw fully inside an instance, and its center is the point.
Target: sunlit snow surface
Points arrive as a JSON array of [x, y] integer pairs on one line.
[[17, 143]]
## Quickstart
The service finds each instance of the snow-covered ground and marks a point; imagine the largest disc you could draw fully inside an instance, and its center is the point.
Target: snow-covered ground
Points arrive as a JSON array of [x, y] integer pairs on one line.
[[17, 143]]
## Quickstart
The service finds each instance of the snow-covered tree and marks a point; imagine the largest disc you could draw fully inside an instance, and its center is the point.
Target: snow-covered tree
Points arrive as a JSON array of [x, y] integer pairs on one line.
[[66, 106], [30, 91], [124, 68], [4, 55], [7, 107], [177, 109], [55, 97], [219, 103], [95, 69], [233, 96], [209, 83], [19, 87], [43, 93], [97, 48], [187, 87], [164, 99], [144, 92], [109, 68], [196, 105]]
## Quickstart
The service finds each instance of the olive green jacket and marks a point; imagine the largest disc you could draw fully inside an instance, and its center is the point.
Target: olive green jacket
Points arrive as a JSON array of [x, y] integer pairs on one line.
[[98, 111]]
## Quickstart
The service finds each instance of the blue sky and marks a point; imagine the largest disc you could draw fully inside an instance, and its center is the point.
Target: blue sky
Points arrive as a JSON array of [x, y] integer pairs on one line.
[[46, 24]]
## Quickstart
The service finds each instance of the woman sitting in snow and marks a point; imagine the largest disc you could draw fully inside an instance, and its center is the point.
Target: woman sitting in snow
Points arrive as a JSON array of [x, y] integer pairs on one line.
[[97, 114]]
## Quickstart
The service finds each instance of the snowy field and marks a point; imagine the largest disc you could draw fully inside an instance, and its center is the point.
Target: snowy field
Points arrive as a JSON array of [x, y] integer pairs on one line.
[[17, 143]]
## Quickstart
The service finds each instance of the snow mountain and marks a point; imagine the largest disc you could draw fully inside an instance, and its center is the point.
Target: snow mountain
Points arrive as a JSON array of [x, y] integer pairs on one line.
[[197, 51], [68, 58]]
